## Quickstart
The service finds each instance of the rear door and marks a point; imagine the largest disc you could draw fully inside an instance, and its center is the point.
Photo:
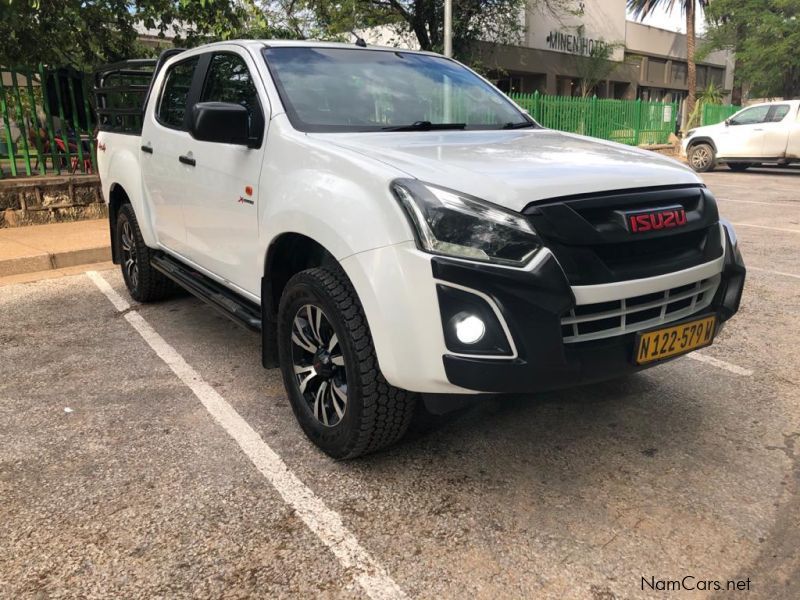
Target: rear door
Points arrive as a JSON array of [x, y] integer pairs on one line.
[[220, 202], [744, 135], [164, 137], [776, 131], [793, 147]]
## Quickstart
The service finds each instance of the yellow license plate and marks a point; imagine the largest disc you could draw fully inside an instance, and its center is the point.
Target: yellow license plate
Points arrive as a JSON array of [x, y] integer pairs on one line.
[[678, 339]]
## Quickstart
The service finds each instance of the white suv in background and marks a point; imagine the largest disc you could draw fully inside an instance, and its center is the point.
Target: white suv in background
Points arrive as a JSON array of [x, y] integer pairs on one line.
[[758, 134]]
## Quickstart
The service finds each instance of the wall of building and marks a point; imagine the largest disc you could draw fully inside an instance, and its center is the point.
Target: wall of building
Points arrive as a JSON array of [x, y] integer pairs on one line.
[[567, 32], [651, 61]]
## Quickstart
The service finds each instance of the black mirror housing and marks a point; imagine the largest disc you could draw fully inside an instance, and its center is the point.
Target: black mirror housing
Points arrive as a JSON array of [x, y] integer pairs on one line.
[[221, 122]]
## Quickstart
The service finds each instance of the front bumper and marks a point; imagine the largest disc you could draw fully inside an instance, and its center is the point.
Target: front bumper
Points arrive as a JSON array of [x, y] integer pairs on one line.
[[533, 304], [398, 288]]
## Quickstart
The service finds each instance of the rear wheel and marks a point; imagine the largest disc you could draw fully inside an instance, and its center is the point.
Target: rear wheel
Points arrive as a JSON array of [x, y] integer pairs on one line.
[[144, 283], [738, 166], [338, 394], [701, 157]]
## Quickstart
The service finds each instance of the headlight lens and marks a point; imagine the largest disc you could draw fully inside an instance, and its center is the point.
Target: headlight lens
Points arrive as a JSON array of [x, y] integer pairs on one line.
[[455, 224]]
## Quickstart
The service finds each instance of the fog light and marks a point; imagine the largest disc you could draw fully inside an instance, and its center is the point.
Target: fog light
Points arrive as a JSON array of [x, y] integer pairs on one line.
[[469, 329]]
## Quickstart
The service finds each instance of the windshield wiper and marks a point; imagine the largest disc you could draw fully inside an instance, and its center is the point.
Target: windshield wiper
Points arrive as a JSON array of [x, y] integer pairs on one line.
[[425, 126], [520, 125]]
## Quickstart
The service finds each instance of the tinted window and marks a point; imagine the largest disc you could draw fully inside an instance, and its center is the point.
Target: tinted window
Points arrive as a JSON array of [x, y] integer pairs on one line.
[[779, 111], [748, 116], [172, 107], [229, 80], [339, 89]]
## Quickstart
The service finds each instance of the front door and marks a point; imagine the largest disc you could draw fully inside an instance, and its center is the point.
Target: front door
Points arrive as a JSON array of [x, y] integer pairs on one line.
[[744, 135], [164, 135], [220, 205]]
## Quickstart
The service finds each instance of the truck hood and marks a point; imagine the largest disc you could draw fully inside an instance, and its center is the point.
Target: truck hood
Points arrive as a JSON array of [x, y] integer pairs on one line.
[[515, 168]]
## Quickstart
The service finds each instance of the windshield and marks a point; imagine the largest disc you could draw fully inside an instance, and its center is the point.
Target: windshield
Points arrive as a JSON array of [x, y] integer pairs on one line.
[[339, 89]]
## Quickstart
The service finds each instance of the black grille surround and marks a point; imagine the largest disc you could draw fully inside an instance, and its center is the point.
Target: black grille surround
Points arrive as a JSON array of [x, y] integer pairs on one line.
[[588, 235]]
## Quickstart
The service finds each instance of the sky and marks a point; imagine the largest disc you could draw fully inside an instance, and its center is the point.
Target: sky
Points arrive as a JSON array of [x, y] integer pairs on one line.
[[672, 20]]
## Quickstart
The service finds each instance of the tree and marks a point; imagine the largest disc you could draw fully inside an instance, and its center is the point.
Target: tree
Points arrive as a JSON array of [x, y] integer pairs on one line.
[[498, 21], [765, 34], [85, 33], [596, 66], [642, 8]]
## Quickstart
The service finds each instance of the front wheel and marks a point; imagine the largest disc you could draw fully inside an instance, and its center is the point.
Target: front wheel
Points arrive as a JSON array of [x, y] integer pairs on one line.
[[701, 158], [330, 371]]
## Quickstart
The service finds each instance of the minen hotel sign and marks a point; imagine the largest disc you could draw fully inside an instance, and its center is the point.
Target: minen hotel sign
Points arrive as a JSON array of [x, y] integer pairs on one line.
[[574, 43]]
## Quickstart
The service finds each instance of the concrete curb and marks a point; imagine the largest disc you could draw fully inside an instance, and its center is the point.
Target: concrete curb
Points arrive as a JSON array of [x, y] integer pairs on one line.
[[44, 261]]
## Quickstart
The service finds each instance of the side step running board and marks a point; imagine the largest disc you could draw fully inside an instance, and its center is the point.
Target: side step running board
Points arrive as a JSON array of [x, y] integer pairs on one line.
[[245, 313]]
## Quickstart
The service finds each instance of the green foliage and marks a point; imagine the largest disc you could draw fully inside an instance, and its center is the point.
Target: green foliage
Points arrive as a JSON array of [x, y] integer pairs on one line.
[[85, 33], [596, 66], [496, 20], [766, 36], [711, 94]]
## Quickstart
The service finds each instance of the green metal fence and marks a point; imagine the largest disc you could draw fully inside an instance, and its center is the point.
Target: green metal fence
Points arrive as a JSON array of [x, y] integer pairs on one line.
[[47, 124], [717, 113], [630, 122]]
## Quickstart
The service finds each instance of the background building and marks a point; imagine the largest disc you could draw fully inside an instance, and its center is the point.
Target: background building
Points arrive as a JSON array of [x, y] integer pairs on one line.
[[649, 63]]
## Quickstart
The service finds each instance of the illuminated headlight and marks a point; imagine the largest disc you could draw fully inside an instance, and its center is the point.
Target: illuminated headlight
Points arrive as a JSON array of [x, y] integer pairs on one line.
[[454, 224]]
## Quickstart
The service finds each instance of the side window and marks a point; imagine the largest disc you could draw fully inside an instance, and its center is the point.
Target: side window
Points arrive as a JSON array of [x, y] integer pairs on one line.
[[749, 116], [174, 94], [779, 111], [229, 80]]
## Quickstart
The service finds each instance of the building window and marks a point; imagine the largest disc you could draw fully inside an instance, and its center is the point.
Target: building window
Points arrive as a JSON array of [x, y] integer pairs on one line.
[[509, 84], [656, 70], [679, 73]]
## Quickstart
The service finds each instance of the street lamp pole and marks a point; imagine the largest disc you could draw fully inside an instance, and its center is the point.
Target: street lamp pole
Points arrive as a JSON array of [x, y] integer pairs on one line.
[[448, 27]]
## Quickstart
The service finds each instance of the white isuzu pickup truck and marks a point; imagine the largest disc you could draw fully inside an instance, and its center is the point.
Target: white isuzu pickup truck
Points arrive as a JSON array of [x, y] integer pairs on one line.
[[398, 230]]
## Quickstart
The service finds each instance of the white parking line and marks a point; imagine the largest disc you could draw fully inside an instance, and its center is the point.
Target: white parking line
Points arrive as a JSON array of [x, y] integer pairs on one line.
[[324, 522], [749, 268], [721, 364], [766, 227]]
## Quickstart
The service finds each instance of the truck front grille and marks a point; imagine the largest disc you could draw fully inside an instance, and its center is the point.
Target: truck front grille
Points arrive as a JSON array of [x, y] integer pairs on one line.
[[589, 235], [608, 319]]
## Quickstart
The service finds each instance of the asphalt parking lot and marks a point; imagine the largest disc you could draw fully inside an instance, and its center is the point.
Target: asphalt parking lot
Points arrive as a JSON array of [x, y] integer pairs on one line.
[[124, 474]]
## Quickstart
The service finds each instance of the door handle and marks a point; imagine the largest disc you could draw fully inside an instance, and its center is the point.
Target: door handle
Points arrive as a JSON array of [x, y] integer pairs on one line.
[[187, 160], [148, 149]]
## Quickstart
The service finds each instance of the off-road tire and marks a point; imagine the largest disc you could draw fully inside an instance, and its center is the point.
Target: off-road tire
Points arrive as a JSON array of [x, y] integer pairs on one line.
[[376, 413], [702, 157], [148, 285], [738, 166]]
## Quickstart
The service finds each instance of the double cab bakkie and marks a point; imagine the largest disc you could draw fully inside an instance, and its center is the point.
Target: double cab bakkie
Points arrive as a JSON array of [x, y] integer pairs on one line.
[[399, 231], [764, 133]]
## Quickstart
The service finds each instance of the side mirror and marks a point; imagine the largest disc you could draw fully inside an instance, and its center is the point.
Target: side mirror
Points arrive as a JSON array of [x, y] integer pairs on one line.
[[222, 122], [727, 122]]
